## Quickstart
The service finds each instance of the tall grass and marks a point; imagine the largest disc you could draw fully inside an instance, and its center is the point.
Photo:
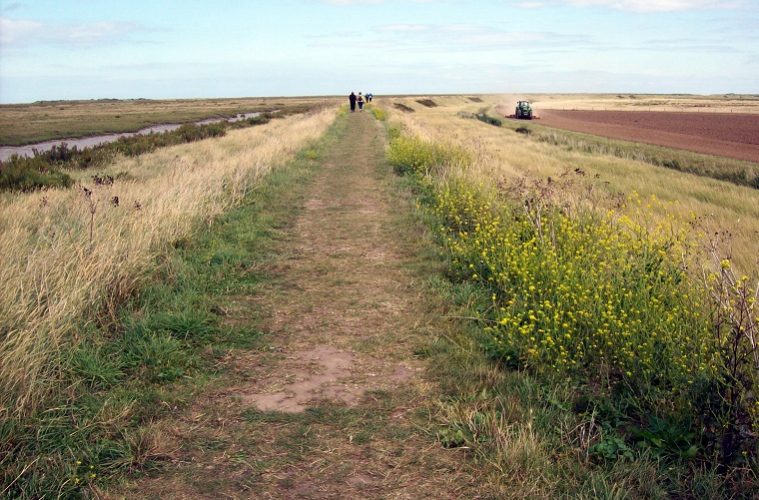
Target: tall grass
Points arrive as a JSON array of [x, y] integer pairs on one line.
[[664, 361], [43, 169], [71, 256]]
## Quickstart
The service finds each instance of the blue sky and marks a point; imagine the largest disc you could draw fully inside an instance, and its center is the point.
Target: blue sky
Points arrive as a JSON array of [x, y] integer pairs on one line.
[[86, 49]]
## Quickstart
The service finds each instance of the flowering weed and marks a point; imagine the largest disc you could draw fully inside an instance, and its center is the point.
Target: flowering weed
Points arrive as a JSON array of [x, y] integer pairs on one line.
[[606, 299]]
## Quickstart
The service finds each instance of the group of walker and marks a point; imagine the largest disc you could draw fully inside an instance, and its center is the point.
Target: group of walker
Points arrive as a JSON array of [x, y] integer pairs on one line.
[[360, 99]]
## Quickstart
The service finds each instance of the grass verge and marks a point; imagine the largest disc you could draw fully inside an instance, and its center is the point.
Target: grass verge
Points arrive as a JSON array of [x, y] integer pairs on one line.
[[72, 256], [168, 343], [549, 407]]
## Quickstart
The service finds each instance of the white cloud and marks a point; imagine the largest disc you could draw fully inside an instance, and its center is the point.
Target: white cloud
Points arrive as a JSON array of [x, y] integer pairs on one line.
[[657, 5], [448, 38], [403, 28], [353, 2], [12, 30], [368, 2], [20, 33]]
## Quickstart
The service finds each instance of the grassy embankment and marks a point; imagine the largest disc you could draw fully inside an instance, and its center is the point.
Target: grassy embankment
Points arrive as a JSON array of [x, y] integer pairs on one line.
[[501, 157], [47, 120], [742, 173], [107, 307], [615, 368]]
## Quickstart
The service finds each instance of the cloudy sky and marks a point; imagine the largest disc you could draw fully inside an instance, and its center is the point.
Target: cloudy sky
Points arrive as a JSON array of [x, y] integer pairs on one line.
[[82, 49]]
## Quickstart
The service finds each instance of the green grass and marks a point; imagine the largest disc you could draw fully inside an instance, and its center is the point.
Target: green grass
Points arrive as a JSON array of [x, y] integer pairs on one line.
[[742, 173], [166, 345]]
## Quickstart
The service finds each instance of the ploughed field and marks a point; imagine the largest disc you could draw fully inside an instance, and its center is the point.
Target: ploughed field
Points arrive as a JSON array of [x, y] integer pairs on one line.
[[723, 134]]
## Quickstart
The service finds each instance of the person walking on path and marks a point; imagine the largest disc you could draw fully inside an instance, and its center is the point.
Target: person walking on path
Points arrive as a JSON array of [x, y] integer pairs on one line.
[[352, 99], [360, 102]]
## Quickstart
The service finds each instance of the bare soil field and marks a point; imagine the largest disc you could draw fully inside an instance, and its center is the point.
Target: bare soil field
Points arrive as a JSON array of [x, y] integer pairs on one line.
[[723, 134]]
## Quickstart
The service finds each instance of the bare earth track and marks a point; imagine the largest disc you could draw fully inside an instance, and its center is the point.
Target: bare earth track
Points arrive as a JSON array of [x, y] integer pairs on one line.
[[722, 134], [331, 407]]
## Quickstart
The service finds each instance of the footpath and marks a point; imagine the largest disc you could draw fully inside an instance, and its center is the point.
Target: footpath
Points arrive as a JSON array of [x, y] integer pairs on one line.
[[333, 402]]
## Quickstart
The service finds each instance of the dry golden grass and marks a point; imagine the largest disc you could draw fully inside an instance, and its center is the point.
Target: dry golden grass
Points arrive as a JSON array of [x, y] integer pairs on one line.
[[69, 258], [501, 157]]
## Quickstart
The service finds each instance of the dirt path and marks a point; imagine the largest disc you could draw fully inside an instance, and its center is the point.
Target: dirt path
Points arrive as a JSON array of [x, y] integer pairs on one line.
[[335, 405]]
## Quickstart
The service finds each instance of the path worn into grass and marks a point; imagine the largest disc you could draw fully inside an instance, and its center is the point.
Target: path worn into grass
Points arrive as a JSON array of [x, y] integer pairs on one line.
[[334, 405]]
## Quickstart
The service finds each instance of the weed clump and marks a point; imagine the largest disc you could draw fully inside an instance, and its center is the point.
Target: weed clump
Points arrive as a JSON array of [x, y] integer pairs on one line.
[[427, 102], [580, 295], [412, 155], [261, 119], [378, 113], [483, 117], [20, 175], [403, 107]]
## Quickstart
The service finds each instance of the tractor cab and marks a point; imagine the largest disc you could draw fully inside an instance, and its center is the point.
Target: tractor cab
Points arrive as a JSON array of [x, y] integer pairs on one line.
[[523, 111]]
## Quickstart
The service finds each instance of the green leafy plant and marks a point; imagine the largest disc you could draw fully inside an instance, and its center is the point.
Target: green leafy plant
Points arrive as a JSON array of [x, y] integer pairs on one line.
[[484, 117], [612, 447]]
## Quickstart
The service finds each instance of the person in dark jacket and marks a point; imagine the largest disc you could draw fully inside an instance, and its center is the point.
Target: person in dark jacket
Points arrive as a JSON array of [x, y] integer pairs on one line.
[[352, 99]]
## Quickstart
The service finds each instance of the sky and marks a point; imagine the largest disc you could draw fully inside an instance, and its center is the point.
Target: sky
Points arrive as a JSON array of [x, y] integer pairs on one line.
[[92, 49]]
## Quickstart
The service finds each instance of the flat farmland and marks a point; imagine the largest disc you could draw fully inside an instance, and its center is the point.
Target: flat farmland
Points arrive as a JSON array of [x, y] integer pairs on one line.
[[723, 134], [726, 103]]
